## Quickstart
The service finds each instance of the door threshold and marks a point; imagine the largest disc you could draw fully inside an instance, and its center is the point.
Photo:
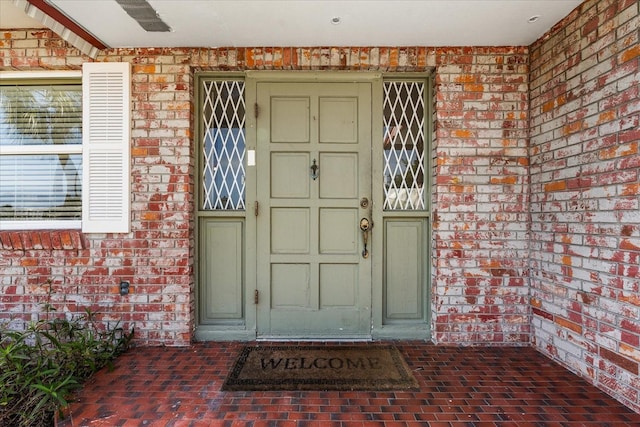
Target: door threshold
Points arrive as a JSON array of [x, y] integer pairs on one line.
[[312, 340]]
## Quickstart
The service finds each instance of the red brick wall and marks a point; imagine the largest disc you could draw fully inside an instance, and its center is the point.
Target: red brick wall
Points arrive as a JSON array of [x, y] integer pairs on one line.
[[157, 256], [536, 225], [585, 195], [480, 194], [480, 226]]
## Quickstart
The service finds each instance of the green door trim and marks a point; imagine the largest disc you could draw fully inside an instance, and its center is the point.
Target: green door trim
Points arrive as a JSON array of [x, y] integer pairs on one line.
[[248, 327], [419, 328]]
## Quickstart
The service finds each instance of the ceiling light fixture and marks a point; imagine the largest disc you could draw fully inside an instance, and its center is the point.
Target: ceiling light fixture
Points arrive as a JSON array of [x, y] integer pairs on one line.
[[533, 19], [336, 20], [145, 15]]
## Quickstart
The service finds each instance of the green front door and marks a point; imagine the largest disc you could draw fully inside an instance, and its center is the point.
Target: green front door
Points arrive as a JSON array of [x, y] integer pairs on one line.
[[313, 166]]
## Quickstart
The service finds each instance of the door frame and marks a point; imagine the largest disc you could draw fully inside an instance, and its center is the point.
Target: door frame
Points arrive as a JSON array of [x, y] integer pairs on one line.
[[247, 329]]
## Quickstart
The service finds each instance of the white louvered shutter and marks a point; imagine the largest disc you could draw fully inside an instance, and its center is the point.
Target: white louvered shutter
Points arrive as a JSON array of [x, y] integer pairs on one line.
[[106, 129]]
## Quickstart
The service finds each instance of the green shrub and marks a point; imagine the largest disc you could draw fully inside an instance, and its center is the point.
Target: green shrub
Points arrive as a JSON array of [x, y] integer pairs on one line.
[[41, 365]]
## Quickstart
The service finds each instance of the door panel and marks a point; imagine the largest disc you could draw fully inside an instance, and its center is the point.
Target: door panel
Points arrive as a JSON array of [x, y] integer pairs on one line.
[[337, 233], [339, 175], [312, 278], [222, 246], [290, 175], [283, 222], [289, 119], [404, 269], [338, 120], [290, 286], [337, 285]]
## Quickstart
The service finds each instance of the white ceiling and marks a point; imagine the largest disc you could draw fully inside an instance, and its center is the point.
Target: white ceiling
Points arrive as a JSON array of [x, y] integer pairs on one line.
[[12, 17], [212, 23]]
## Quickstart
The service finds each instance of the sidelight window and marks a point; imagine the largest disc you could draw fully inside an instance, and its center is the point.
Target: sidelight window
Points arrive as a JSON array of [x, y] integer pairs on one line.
[[223, 150], [404, 145]]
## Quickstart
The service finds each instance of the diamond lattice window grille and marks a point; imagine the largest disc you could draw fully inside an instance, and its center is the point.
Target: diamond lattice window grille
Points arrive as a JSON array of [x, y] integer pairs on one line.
[[404, 145], [223, 118]]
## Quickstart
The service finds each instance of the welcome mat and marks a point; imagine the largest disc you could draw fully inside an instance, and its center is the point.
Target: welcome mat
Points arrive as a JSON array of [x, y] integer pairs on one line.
[[338, 367]]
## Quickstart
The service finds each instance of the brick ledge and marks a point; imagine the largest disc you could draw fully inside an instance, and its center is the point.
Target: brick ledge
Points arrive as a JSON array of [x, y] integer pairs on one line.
[[42, 240]]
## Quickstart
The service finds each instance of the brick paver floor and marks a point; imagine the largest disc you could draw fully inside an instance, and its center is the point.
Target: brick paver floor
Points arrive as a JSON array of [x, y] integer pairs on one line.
[[459, 386]]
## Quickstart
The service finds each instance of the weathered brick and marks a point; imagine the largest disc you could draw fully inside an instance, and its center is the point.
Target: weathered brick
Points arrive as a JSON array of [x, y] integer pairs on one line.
[[603, 167], [535, 189]]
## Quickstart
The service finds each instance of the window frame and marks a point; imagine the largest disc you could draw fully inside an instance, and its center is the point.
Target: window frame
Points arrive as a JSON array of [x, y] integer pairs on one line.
[[241, 204], [423, 205], [106, 155], [72, 77]]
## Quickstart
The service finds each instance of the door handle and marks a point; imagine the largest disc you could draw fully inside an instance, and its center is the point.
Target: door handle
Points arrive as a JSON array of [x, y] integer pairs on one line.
[[365, 226]]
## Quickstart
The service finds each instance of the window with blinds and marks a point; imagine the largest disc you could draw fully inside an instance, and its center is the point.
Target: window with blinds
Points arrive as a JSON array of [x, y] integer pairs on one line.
[[41, 151]]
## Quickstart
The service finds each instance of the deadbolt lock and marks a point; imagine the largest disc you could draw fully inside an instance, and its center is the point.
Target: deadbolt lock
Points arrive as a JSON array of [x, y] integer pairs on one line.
[[364, 203]]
